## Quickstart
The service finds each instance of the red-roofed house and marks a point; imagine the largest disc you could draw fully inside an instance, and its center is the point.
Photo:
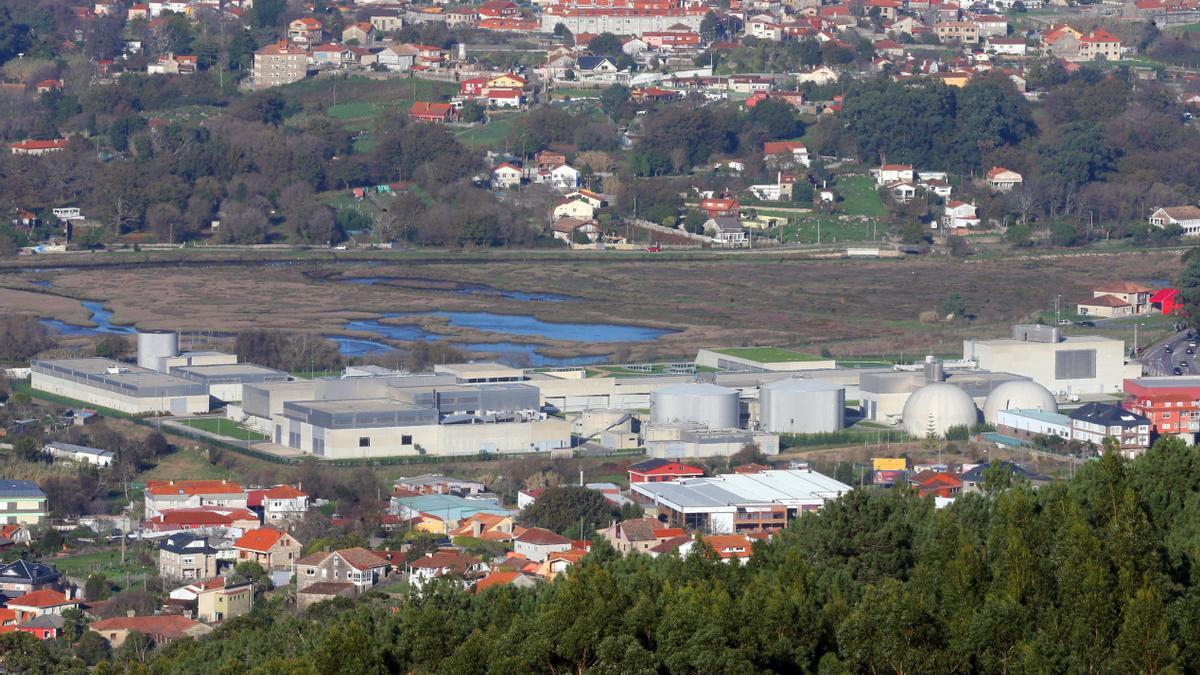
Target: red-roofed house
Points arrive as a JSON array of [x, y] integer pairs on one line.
[[717, 207], [435, 113], [47, 86], [662, 470], [892, 173], [206, 518], [488, 526], [506, 176], [537, 544], [638, 534], [1003, 180], [279, 505], [38, 603], [474, 86], [1099, 44], [788, 150], [162, 495], [38, 148], [305, 30], [1166, 300], [161, 628], [443, 563], [937, 483], [357, 566], [504, 578], [959, 215], [274, 550], [728, 547], [498, 9]]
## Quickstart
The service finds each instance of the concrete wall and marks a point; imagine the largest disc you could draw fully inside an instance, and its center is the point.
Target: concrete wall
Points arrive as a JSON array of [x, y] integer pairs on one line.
[[449, 439], [126, 404], [1037, 361]]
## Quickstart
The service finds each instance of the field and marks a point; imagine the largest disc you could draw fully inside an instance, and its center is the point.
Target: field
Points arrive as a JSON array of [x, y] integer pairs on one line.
[[860, 197], [826, 229], [768, 354], [855, 308], [223, 427], [106, 562], [186, 463]]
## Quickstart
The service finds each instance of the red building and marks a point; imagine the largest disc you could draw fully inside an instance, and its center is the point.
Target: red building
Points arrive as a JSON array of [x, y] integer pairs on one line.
[[474, 86], [937, 483], [1171, 403], [1166, 300], [437, 113], [661, 471], [716, 207]]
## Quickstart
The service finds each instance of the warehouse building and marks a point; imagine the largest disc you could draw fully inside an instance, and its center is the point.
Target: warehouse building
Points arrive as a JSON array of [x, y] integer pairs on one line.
[[1064, 365], [883, 395], [1028, 423], [690, 440], [127, 388], [730, 503], [225, 381]]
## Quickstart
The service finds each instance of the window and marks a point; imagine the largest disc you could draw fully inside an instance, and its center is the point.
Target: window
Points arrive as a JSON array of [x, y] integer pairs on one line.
[[406, 439], [1166, 416], [364, 441]]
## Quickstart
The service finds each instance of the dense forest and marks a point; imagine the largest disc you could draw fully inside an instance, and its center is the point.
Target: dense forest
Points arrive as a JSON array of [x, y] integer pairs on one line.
[[1094, 574]]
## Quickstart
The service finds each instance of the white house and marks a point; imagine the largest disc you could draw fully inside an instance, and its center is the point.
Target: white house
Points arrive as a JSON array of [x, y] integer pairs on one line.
[[959, 215], [819, 76], [726, 230], [506, 176], [564, 177], [282, 504], [1187, 217], [1000, 179], [634, 47], [398, 57], [573, 208], [764, 27], [564, 229], [892, 173], [78, 453], [1014, 46], [597, 69], [537, 544]]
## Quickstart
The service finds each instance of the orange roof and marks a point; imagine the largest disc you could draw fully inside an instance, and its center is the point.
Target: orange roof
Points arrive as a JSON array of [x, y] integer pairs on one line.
[[1105, 301], [260, 540], [1100, 35], [997, 170], [361, 559], [427, 108], [192, 487], [1124, 287], [500, 578], [284, 492], [168, 625], [9, 530], [7, 615], [42, 598], [41, 145], [211, 584], [668, 532]]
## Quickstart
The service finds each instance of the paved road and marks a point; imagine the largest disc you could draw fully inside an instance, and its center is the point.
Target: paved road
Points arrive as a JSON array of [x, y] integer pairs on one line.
[[1157, 360]]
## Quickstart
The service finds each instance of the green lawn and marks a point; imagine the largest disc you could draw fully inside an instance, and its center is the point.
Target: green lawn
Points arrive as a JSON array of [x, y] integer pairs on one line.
[[490, 135], [860, 197], [107, 562], [825, 228], [355, 110], [767, 354], [223, 427]]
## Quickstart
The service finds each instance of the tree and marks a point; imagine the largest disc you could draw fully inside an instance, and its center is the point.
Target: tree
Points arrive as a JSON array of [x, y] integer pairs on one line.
[[93, 648], [612, 98], [954, 306], [776, 118], [605, 44], [112, 346], [562, 508], [14, 36], [136, 647], [750, 453], [96, 587]]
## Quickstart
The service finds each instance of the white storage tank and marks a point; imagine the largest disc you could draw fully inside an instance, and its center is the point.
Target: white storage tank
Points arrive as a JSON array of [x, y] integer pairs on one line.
[[1018, 395], [713, 406], [800, 406], [153, 348], [936, 407]]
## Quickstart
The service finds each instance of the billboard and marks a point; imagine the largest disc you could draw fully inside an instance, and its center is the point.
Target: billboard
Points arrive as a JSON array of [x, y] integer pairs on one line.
[[888, 477], [889, 464]]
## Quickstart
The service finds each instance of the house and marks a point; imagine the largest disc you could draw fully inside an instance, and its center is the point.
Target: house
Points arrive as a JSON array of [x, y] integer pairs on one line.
[[1106, 306], [1165, 300], [549, 160], [361, 33], [218, 599], [892, 173], [278, 64], [187, 556], [435, 113], [557, 563], [328, 55], [661, 471], [22, 502], [634, 47], [726, 230], [902, 191], [564, 177], [537, 544], [506, 176], [1000, 179], [595, 199], [204, 519], [488, 526], [1187, 217], [573, 208], [716, 207], [1136, 295], [279, 505], [170, 64], [638, 534], [19, 534], [749, 84], [1099, 44], [527, 496], [1095, 421], [786, 151], [38, 148], [730, 548], [273, 550], [386, 20], [44, 627], [161, 628], [398, 57], [305, 30], [570, 229], [20, 577], [937, 483], [819, 76], [505, 98], [38, 603], [356, 566], [504, 578], [764, 27], [443, 563], [597, 69], [958, 215], [167, 495], [78, 453], [473, 86], [507, 81], [1008, 46], [966, 32], [499, 9]]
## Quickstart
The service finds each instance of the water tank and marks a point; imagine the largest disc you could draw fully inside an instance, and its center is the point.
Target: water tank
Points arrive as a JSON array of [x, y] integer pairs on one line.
[[936, 407], [1018, 395], [934, 369], [713, 406], [798, 406], [154, 347]]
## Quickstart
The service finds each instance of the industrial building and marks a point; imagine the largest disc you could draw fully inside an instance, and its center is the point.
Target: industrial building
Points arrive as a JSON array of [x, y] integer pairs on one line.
[[761, 359], [78, 453], [936, 408], [1028, 424], [1018, 395], [691, 440], [1064, 365], [120, 386], [883, 395], [729, 503], [224, 381], [797, 406]]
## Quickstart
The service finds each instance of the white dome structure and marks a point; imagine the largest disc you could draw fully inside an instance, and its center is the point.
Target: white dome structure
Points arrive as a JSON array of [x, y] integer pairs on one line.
[[1018, 395], [938, 406]]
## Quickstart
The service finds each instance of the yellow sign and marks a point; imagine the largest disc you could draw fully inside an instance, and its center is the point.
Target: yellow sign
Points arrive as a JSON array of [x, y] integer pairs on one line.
[[890, 463]]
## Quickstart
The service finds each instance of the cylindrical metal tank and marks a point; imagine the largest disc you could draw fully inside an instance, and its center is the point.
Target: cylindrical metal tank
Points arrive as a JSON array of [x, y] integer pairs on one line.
[[713, 406], [799, 406], [154, 347], [934, 369]]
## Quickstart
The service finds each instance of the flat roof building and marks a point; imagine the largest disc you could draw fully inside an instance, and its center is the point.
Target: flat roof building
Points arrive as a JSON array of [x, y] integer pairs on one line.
[[1085, 364], [225, 381], [78, 453], [120, 386], [729, 503]]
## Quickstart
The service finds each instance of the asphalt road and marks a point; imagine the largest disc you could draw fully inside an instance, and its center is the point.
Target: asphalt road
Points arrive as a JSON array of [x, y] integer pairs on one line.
[[1157, 360]]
